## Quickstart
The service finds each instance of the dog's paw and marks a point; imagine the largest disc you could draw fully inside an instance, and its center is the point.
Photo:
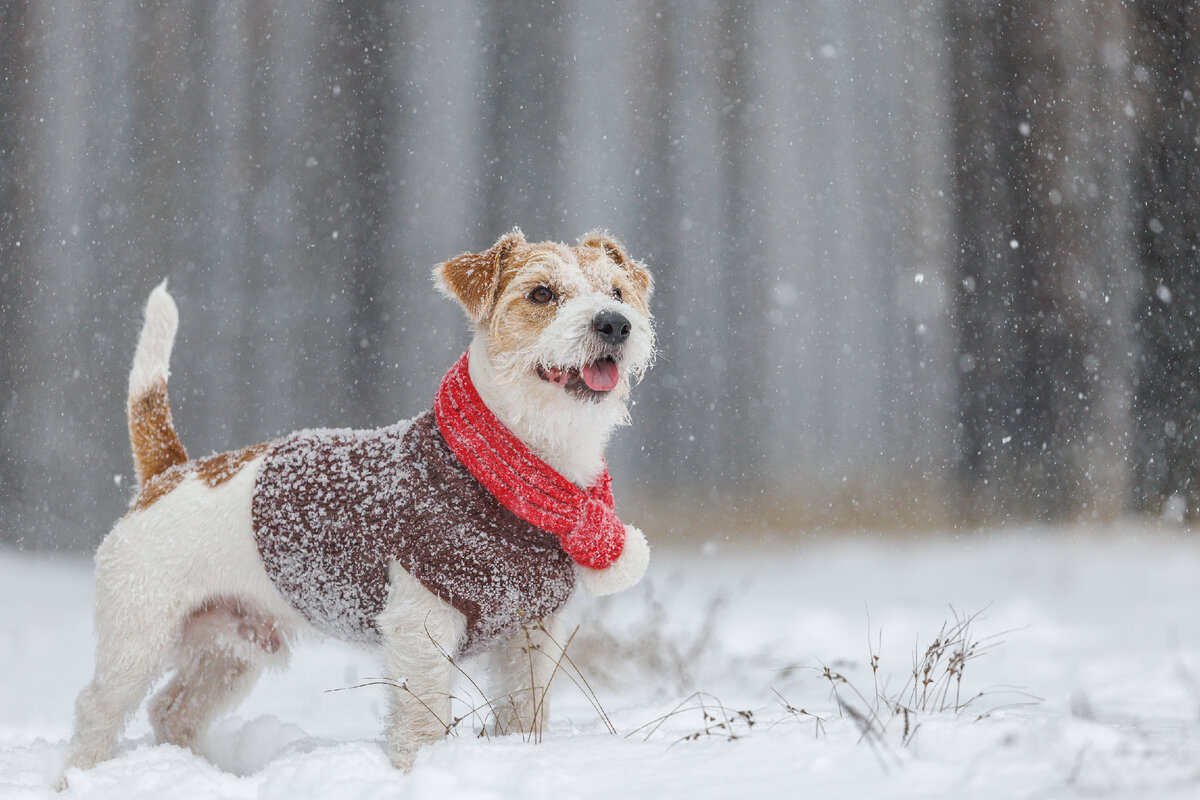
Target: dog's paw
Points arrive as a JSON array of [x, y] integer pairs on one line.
[[403, 758], [622, 573]]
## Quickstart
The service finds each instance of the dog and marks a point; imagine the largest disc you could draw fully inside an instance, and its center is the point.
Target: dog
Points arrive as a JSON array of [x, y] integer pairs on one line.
[[461, 531]]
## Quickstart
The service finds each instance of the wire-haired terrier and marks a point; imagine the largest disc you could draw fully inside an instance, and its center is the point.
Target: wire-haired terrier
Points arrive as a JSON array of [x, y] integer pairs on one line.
[[462, 530]]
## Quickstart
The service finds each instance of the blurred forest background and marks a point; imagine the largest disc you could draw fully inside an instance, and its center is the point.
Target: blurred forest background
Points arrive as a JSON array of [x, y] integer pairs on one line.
[[918, 264]]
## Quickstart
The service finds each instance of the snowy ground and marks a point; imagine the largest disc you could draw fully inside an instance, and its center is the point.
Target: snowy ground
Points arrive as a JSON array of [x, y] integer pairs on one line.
[[1102, 625]]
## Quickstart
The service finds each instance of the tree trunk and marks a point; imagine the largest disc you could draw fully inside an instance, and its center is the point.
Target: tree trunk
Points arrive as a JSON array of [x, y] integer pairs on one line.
[[15, 214], [1166, 75], [1042, 278], [525, 120], [740, 337], [362, 115]]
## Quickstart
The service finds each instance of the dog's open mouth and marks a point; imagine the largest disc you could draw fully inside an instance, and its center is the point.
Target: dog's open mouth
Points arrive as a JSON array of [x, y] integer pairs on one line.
[[598, 377]]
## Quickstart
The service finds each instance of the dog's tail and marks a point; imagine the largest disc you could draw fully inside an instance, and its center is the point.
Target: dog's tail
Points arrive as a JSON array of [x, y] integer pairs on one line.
[[156, 446]]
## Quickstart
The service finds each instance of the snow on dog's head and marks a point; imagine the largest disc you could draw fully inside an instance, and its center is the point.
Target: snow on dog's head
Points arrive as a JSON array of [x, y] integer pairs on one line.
[[570, 321]]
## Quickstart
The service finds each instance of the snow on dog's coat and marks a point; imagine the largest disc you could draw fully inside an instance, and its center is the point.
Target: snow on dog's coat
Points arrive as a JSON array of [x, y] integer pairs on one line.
[[333, 509], [187, 578]]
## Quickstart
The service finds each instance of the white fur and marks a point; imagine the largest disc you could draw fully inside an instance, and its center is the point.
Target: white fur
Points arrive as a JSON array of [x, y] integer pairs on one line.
[[152, 359], [623, 573], [419, 631], [567, 434], [569, 338], [152, 570]]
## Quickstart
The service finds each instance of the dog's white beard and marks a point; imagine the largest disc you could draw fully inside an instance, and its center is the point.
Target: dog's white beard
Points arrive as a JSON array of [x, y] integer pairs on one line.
[[569, 341]]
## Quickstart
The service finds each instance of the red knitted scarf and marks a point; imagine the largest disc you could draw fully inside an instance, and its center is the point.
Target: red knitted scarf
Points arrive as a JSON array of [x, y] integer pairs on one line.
[[584, 521]]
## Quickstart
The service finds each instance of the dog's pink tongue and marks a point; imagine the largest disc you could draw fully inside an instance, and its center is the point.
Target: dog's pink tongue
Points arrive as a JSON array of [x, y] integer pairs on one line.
[[600, 376]]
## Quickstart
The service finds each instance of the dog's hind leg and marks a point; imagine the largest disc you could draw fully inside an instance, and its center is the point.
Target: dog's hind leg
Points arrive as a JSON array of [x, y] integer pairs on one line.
[[223, 650], [104, 706], [420, 633], [133, 641]]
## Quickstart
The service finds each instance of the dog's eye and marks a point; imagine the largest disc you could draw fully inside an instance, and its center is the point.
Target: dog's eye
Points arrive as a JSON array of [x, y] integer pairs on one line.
[[616, 293], [541, 295]]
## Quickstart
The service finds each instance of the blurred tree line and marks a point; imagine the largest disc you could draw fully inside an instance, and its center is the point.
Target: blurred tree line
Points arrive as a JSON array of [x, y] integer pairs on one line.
[[917, 263]]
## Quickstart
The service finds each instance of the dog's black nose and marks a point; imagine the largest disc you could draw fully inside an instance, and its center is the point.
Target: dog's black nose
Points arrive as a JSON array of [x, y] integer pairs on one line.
[[611, 326]]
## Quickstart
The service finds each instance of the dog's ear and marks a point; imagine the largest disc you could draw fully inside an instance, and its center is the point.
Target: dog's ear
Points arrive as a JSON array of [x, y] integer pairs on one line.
[[472, 278], [612, 248]]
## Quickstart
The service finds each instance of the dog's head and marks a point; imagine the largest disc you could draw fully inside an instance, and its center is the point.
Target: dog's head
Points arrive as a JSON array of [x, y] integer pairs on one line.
[[570, 321]]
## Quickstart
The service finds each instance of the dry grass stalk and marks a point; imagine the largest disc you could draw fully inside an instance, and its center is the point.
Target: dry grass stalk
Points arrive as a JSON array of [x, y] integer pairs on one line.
[[485, 712], [717, 720], [934, 684]]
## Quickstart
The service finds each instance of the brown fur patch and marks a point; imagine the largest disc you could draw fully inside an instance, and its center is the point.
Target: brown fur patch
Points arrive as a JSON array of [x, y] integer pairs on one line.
[[156, 447], [514, 320], [634, 270], [480, 280], [474, 278], [216, 469], [213, 470], [159, 485]]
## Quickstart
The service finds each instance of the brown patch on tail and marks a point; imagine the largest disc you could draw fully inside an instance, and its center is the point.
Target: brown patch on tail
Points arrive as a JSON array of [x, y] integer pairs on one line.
[[213, 470], [156, 446], [161, 484]]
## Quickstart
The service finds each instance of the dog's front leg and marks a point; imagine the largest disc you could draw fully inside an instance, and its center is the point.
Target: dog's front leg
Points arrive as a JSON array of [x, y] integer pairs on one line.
[[522, 669], [420, 632]]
